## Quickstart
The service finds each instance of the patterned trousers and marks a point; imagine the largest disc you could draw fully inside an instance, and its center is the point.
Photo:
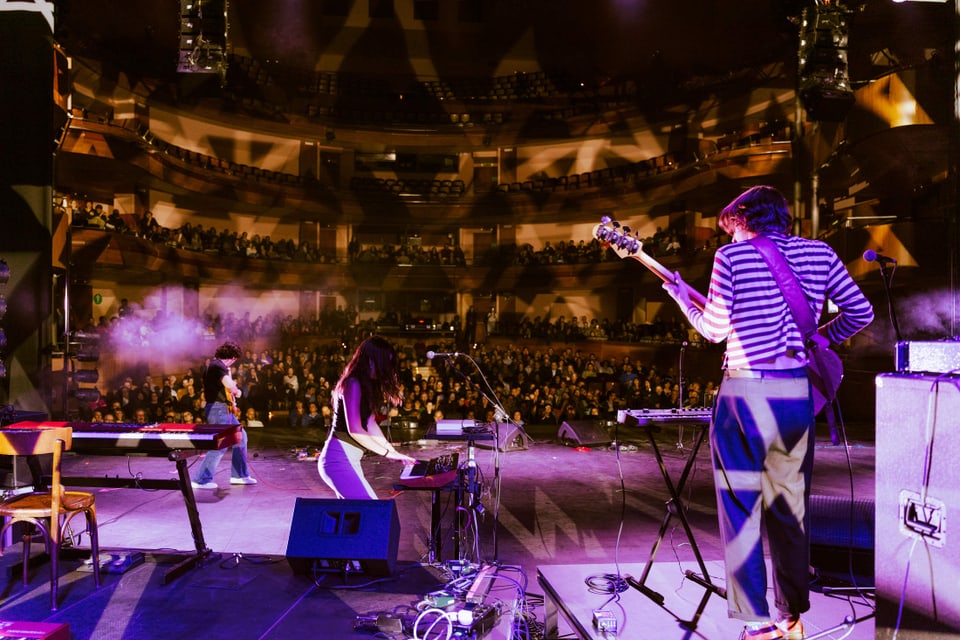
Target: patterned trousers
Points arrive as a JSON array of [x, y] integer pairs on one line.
[[762, 437]]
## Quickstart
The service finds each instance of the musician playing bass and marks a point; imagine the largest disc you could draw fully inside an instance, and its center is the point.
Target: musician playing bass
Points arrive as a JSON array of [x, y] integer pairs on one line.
[[762, 430], [220, 392]]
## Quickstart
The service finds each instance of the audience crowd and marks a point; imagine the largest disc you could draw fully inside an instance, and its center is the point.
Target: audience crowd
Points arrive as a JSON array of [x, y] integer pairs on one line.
[[227, 243], [131, 329], [544, 384]]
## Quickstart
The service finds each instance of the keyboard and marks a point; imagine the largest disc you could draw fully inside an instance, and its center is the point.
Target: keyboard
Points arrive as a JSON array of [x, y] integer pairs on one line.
[[633, 417], [117, 438]]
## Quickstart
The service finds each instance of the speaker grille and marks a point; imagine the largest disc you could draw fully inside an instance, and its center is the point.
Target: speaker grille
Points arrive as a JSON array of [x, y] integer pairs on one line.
[[327, 533]]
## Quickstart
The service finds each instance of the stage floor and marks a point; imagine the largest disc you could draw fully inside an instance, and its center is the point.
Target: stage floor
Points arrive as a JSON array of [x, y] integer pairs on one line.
[[570, 603], [546, 508]]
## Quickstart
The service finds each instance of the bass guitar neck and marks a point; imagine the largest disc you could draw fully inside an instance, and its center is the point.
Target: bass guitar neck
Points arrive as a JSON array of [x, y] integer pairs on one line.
[[626, 244]]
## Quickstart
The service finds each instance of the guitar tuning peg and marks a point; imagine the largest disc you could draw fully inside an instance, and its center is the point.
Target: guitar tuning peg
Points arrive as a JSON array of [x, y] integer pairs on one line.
[[626, 229], [605, 220], [616, 225]]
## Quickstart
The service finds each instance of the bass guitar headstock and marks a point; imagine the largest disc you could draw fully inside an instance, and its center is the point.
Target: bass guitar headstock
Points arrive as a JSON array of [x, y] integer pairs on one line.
[[620, 238], [626, 244]]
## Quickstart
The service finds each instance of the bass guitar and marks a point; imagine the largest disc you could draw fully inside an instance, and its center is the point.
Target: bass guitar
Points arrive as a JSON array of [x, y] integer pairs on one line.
[[824, 367], [232, 403]]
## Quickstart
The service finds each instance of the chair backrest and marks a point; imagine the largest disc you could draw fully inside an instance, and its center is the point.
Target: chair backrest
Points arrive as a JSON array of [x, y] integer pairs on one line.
[[39, 441], [34, 440]]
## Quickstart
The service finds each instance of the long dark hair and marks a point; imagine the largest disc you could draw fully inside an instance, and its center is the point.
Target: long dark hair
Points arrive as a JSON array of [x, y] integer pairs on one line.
[[374, 366]]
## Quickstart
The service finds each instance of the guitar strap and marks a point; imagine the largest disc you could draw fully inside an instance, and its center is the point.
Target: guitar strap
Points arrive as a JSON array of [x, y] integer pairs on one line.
[[789, 286], [802, 315]]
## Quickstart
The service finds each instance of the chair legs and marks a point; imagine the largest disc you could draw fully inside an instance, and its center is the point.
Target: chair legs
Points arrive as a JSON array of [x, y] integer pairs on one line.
[[53, 539]]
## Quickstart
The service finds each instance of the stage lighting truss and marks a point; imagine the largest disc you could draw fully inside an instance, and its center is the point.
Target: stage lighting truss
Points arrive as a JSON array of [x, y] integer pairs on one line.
[[84, 360], [825, 88], [203, 37]]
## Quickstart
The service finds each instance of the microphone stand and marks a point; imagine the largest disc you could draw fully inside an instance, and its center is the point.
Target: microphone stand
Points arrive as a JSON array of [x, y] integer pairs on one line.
[[499, 413], [899, 355], [887, 281], [683, 348]]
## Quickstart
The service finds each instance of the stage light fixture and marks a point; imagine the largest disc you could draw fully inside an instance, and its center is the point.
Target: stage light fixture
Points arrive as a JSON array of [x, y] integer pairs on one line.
[[825, 89], [89, 395], [203, 37], [87, 376], [85, 353], [88, 354]]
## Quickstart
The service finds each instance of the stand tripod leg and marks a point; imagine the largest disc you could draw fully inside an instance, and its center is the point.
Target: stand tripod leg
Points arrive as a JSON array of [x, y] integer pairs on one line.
[[676, 507]]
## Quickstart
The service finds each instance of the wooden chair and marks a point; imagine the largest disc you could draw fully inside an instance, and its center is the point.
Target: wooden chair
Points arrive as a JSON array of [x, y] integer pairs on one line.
[[48, 511]]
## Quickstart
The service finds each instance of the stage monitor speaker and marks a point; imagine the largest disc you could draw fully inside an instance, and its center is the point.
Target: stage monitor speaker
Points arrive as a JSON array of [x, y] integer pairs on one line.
[[583, 432], [509, 438], [842, 537], [917, 484], [326, 534]]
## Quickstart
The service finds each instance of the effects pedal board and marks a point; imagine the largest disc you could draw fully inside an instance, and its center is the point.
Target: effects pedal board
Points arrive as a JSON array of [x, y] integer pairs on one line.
[[474, 620], [481, 584], [115, 562]]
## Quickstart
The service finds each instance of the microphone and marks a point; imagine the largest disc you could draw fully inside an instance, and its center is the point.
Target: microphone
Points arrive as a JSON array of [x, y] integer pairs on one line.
[[872, 256], [433, 354]]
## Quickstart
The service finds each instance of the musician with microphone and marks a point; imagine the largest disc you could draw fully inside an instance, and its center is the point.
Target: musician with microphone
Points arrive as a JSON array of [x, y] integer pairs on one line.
[[767, 290], [369, 383]]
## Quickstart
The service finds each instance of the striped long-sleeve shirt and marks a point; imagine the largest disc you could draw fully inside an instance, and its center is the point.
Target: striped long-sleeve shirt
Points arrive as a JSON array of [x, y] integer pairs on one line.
[[746, 308]]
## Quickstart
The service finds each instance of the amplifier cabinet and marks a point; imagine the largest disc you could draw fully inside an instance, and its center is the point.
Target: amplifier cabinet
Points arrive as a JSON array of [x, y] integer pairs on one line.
[[917, 487], [928, 357]]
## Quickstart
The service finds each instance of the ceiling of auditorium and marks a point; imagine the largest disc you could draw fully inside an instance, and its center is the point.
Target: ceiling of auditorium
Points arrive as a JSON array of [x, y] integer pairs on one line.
[[595, 40], [658, 43]]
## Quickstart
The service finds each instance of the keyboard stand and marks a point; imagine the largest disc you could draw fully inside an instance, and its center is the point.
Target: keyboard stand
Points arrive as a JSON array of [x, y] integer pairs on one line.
[[467, 484], [435, 543], [182, 484], [676, 507]]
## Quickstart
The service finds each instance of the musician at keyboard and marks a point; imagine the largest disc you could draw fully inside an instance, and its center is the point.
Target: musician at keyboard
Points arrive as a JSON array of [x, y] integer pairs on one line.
[[369, 382]]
